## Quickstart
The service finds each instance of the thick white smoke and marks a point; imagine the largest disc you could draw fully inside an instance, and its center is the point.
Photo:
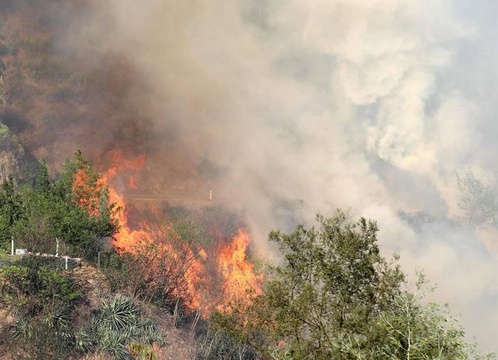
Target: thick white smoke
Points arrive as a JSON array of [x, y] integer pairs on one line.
[[305, 106]]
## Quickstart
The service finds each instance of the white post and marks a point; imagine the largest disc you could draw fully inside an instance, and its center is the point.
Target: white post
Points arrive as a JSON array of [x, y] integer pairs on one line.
[[210, 194], [66, 262], [12, 246], [57, 248]]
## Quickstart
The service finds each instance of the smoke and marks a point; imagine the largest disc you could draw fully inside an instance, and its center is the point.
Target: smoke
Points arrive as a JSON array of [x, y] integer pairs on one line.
[[300, 107]]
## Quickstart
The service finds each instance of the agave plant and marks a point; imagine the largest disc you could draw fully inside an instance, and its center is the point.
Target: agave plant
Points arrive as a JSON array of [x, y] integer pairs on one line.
[[118, 314], [114, 345], [59, 319], [149, 332], [85, 341], [117, 326], [22, 329]]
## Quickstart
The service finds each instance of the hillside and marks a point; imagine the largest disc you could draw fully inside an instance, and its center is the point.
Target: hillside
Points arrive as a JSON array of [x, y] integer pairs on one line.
[[161, 142], [333, 296], [181, 342], [95, 289], [154, 282]]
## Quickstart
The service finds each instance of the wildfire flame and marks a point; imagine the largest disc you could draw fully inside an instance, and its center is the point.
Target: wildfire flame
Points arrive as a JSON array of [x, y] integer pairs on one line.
[[87, 191], [205, 290], [238, 273], [126, 238]]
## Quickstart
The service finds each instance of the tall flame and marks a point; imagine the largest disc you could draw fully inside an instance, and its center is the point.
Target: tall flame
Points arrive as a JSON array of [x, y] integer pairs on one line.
[[126, 238], [230, 276], [237, 272], [87, 191]]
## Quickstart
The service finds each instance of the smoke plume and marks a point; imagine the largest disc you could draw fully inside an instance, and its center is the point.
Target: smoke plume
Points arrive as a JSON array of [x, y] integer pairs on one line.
[[285, 109]]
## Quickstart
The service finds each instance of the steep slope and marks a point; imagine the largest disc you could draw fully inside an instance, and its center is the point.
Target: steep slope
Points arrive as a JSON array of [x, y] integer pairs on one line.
[[94, 288]]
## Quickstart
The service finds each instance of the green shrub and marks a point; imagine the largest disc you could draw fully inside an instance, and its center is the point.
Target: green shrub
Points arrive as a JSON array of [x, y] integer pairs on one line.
[[219, 345], [39, 277], [42, 299]]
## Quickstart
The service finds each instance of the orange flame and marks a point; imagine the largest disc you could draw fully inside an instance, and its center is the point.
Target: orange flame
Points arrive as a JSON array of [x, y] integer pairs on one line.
[[87, 192], [237, 272], [132, 183], [203, 290], [126, 238]]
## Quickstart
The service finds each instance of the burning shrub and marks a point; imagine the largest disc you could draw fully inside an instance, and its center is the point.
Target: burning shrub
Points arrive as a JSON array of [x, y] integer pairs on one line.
[[181, 266], [159, 267]]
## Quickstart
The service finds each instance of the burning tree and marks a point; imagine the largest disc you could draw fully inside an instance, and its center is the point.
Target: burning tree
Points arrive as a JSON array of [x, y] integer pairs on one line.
[[91, 215], [74, 208]]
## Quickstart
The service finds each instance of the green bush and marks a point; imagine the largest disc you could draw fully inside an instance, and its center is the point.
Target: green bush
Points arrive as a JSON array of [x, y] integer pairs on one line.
[[42, 299], [219, 345], [37, 277]]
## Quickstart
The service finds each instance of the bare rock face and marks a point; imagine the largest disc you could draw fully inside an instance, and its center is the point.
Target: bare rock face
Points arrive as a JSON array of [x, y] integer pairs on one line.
[[11, 153]]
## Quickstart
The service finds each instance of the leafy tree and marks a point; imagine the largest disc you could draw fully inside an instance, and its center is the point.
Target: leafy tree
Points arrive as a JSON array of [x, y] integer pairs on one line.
[[11, 153], [412, 328], [36, 229], [11, 211], [334, 296], [85, 215]]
